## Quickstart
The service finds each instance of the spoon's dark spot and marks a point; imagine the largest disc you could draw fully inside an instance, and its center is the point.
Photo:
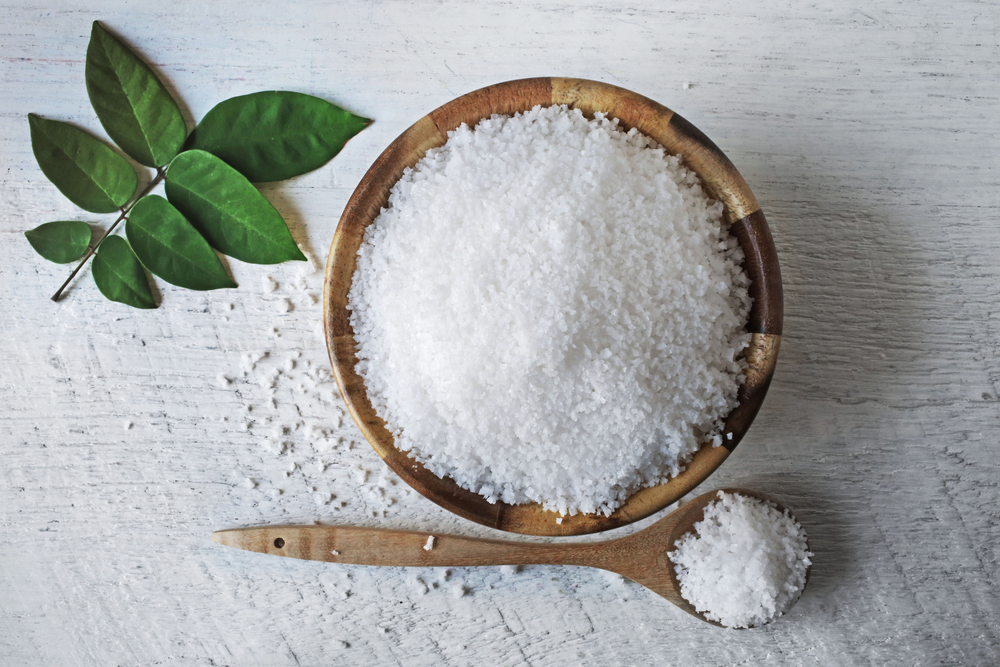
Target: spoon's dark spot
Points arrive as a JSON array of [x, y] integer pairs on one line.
[[279, 543]]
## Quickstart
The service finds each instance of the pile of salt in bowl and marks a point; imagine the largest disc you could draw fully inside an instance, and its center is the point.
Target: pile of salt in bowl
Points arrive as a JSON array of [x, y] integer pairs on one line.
[[745, 563], [550, 309]]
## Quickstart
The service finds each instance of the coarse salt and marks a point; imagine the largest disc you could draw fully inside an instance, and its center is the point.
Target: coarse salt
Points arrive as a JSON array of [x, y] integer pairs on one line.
[[745, 563], [550, 309]]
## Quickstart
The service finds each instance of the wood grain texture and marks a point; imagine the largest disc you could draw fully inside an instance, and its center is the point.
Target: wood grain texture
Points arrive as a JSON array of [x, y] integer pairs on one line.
[[868, 132], [720, 178], [767, 313]]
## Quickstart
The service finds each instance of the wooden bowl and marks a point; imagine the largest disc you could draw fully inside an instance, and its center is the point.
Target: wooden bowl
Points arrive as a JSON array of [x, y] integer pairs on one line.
[[721, 181]]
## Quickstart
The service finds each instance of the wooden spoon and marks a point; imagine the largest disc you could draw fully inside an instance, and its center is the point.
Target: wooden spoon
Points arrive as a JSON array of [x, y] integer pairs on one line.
[[642, 556]]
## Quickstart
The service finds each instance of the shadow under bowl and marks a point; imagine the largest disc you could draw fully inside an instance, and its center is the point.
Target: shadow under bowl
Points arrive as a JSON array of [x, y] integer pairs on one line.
[[721, 181]]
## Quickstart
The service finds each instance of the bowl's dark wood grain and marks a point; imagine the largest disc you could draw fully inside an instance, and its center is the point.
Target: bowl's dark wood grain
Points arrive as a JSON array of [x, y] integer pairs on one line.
[[721, 180]]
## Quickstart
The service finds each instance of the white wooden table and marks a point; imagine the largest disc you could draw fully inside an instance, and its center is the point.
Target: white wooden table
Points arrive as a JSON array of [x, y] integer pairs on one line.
[[869, 133]]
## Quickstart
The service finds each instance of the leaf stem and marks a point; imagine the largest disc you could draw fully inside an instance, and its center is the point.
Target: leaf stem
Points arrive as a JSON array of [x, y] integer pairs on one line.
[[93, 249]]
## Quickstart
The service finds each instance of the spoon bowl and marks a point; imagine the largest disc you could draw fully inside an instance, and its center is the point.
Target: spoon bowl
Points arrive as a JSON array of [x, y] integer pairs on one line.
[[649, 563], [641, 557]]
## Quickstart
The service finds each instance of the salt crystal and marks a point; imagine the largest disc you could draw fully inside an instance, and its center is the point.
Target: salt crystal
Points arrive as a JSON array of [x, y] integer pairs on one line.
[[275, 446], [430, 543], [538, 315], [267, 284], [745, 563], [312, 266]]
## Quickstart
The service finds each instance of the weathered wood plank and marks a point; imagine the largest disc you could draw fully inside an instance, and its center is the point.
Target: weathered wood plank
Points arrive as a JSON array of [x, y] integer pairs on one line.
[[867, 132]]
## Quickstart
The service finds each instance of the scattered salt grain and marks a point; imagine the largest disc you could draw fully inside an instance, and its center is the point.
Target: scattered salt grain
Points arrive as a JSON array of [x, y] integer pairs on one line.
[[267, 284], [430, 543], [559, 519], [249, 483], [548, 310], [745, 563], [222, 381], [127, 425], [335, 552], [275, 446], [311, 264], [421, 586], [613, 578], [360, 474]]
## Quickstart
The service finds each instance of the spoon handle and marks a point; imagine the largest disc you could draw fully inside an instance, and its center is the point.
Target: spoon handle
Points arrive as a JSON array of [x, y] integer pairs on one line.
[[376, 546]]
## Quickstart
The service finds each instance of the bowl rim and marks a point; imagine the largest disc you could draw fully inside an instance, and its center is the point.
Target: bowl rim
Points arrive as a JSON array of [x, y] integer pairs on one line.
[[721, 181]]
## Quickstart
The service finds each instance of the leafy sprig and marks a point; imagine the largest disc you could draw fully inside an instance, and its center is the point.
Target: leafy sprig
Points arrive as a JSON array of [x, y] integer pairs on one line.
[[211, 203]]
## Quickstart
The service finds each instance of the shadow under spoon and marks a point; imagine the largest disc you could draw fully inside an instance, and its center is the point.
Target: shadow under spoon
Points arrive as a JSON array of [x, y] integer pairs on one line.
[[641, 557]]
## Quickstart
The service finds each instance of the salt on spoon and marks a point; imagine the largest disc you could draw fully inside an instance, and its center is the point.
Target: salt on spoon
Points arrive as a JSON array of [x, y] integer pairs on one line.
[[744, 564], [643, 557]]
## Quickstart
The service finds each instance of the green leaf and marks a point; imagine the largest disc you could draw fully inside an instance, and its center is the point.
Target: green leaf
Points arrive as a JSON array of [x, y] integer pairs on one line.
[[228, 210], [169, 247], [60, 242], [90, 174], [134, 107], [119, 274], [272, 136]]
